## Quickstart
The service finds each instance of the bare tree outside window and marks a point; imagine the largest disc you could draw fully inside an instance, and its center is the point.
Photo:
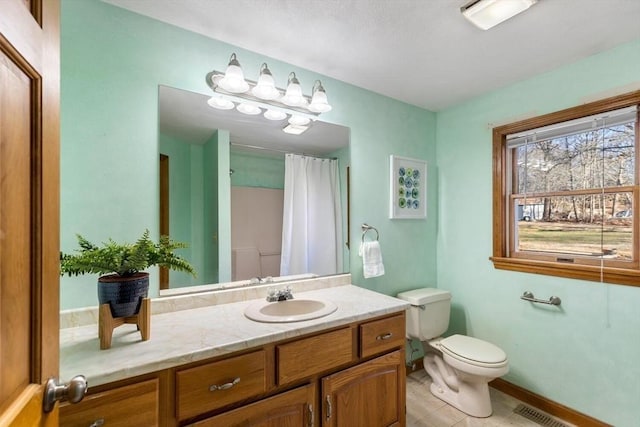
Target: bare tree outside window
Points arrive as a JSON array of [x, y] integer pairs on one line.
[[573, 196]]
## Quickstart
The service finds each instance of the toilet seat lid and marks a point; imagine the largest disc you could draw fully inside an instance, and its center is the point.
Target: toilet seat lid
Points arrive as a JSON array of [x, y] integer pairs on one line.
[[473, 350]]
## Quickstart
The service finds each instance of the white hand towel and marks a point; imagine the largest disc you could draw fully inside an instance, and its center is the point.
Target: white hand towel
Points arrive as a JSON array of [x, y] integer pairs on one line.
[[371, 254]]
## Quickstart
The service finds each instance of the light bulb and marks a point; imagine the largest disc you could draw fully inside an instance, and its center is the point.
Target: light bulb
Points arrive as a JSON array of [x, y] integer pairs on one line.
[[233, 80], [319, 102], [220, 103], [266, 86], [299, 120], [275, 115], [293, 96], [249, 109]]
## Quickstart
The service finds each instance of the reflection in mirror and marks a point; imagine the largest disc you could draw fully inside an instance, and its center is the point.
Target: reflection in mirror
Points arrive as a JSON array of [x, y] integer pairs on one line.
[[222, 190]]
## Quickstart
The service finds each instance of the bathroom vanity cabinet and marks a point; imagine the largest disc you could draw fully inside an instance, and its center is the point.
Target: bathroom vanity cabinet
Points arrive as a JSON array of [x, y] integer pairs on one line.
[[351, 374]]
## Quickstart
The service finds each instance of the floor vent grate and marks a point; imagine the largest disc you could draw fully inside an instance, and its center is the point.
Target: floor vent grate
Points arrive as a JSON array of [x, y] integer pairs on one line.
[[538, 417]]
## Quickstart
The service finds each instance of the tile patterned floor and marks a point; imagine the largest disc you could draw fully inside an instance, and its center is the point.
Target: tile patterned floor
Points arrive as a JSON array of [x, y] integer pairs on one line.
[[426, 410]]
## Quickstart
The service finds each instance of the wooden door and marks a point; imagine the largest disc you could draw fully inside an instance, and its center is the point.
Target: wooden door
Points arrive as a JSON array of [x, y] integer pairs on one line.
[[164, 212], [371, 394], [29, 207]]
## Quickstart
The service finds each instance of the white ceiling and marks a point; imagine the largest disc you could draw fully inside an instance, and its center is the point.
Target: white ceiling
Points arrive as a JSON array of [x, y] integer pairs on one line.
[[422, 52]]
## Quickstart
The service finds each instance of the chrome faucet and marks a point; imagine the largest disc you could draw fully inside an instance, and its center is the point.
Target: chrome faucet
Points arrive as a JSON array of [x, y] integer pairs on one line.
[[279, 294]]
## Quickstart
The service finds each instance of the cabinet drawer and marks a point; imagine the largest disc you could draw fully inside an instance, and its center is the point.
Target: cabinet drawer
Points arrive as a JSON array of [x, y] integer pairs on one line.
[[217, 384], [381, 335], [132, 405], [309, 356]]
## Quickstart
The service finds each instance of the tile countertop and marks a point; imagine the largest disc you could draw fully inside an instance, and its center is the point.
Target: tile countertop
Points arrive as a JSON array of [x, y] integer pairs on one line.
[[186, 336]]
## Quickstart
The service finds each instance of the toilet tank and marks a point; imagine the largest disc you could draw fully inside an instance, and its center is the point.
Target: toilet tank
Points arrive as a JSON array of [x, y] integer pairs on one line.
[[431, 321]]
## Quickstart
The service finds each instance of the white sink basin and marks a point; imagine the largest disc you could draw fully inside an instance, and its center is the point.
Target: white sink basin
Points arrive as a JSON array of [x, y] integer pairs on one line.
[[293, 310]]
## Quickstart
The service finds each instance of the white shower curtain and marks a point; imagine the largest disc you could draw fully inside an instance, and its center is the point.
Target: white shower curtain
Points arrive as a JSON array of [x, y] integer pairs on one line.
[[312, 217]]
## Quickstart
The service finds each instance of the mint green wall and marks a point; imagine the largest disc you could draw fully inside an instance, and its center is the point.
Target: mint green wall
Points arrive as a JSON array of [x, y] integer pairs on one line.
[[193, 206], [112, 64], [254, 170], [584, 355], [196, 218], [224, 199], [218, 241], [182, 193]]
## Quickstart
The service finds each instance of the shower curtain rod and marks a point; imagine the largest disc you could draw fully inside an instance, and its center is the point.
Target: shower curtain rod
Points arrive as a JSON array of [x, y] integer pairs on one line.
[[255, 147]]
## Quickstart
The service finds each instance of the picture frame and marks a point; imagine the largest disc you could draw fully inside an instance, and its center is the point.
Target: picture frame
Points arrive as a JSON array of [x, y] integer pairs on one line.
[[408, 188]]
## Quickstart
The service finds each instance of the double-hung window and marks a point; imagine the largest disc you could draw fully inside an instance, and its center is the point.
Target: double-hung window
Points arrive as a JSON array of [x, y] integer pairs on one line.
[[566, 193]]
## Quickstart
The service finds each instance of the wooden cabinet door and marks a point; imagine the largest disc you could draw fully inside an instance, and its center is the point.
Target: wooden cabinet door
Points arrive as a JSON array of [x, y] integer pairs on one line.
[[293, 408], [371, 394], [29, 205]]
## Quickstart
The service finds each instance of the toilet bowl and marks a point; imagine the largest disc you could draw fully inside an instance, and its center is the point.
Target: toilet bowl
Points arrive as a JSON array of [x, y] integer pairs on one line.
[[460, 366]]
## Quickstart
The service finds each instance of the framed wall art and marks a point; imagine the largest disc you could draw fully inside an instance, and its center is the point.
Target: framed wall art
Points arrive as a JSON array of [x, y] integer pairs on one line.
[[408, 188]]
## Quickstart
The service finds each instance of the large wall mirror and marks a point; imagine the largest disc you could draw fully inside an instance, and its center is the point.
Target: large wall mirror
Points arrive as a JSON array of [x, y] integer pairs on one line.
[[222, 180]]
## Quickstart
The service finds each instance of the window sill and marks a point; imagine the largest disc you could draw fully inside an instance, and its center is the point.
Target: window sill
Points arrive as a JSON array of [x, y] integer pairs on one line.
[[620, 276]]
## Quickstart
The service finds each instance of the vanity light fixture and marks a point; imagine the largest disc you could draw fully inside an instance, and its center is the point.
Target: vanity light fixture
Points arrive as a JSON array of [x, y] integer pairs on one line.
[[275, 115], [293, 96], [486, 14], [266, 86], [248, 108], [220, 103], [319, 102], [233, 80], [231, 90], [298, 120]]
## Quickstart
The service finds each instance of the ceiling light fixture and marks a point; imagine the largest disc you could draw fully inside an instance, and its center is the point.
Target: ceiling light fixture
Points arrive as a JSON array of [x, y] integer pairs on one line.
[[294, 129], [486, 14], [231, 90]]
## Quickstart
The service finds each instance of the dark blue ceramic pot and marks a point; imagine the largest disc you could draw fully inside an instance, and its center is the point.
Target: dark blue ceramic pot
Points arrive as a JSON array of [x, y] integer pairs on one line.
[[123, 294]]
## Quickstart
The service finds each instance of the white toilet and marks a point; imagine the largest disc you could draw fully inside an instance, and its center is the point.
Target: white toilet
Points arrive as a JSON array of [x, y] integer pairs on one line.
[[459, 366]]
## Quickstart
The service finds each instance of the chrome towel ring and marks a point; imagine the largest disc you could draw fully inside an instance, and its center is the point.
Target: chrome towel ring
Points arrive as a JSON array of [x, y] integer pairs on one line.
[[366, 227]]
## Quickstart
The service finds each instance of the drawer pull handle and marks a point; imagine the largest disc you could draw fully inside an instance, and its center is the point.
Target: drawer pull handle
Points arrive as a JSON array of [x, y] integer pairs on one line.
[[328, 400], [384, 336], [225, 386], [97, 423]]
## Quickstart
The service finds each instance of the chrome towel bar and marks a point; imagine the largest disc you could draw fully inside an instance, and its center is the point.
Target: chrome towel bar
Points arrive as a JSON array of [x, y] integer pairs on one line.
[[528, 296]]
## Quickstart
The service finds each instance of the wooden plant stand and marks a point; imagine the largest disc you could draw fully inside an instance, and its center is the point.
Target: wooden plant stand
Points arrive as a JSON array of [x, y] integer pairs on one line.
[[107, 323]]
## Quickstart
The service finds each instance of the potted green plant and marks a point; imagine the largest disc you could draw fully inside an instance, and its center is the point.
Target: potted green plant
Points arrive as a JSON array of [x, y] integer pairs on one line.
[[122, 283]]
